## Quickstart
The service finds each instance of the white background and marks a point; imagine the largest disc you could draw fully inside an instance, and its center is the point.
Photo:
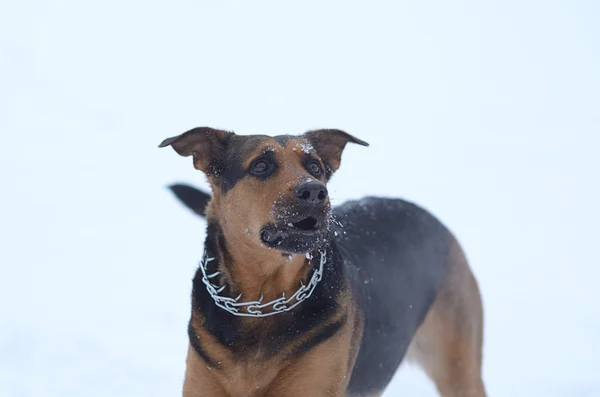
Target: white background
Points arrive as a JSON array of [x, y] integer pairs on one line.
[[486, 113]]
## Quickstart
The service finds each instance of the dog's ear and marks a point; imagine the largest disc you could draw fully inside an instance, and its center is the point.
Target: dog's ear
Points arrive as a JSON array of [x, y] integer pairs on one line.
[[206, 145], [330, 144]]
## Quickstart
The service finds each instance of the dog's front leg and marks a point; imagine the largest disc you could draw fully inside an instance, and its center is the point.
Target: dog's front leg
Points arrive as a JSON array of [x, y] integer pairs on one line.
[[199, 382]]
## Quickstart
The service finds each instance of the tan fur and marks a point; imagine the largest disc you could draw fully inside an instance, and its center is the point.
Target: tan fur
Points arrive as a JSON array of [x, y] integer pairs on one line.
[[323, 371], [448, 343], [255, 271], [244, 210]]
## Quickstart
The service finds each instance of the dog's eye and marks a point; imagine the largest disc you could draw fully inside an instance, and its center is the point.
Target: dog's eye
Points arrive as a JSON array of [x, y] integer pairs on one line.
[[314, 168], [260, 167]]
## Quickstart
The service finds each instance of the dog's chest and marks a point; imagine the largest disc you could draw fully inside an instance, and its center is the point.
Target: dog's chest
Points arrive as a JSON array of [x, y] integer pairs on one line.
[[248, 378]]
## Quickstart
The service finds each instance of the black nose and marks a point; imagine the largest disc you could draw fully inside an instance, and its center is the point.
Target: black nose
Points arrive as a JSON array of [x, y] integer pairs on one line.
[[312, 192]]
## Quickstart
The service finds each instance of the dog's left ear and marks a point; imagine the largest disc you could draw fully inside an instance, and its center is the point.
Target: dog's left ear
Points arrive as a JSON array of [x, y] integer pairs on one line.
[[206, 145], [330, 144]]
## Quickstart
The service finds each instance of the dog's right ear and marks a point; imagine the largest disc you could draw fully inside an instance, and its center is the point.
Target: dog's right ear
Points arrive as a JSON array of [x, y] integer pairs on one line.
[[206, 145]]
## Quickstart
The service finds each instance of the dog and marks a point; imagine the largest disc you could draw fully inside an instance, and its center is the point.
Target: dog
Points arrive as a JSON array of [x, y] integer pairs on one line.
[[294, 298]]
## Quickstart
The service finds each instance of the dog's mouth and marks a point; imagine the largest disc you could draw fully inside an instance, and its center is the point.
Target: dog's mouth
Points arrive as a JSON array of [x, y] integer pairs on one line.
[[298, 236], [306, 224]]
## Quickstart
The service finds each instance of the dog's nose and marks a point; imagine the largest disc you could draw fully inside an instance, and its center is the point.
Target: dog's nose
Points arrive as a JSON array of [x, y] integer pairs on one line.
[[313, 192]]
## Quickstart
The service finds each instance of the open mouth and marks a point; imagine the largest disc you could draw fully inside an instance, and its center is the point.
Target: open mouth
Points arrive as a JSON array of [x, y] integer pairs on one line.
[[306, 224], [296, 237]]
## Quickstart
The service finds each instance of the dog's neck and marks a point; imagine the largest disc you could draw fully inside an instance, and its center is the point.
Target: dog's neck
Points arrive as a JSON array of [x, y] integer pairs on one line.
[[267, 274], [256, 271]]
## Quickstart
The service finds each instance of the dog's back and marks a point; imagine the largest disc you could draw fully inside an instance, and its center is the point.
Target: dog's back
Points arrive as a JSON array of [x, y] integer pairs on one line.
[[399, 255], [410, 278]]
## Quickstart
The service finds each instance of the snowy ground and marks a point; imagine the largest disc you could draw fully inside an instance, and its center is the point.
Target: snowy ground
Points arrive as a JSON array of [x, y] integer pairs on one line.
[[484, 112]]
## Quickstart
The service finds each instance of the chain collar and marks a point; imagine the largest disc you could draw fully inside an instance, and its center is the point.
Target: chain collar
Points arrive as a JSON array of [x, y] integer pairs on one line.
[[255, 308]]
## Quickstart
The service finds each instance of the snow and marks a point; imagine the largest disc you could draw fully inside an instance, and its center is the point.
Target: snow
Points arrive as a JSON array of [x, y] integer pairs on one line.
[[307, 147], [484, 112]]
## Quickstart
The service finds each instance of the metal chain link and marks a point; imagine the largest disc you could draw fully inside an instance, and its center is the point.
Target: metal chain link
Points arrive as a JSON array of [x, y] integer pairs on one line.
[[255, 308]]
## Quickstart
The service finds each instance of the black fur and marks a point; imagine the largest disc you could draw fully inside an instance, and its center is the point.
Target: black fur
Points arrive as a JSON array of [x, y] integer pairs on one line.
[[194, 199], [283, 139], [399, 252], [391, 253], [269, 157], [195, 343], [233, 169], [232, 173], [284, 328], [323, 334]]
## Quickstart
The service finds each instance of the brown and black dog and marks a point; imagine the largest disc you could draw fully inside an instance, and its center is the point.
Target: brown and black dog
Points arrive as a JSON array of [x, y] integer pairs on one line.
[[296, 299]]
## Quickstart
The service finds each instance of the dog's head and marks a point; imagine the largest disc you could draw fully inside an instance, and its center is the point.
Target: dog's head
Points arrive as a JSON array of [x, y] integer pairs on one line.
[[268, 190]]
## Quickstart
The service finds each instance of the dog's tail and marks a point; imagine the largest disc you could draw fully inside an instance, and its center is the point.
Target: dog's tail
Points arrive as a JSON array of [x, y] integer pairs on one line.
[[194, 199]]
